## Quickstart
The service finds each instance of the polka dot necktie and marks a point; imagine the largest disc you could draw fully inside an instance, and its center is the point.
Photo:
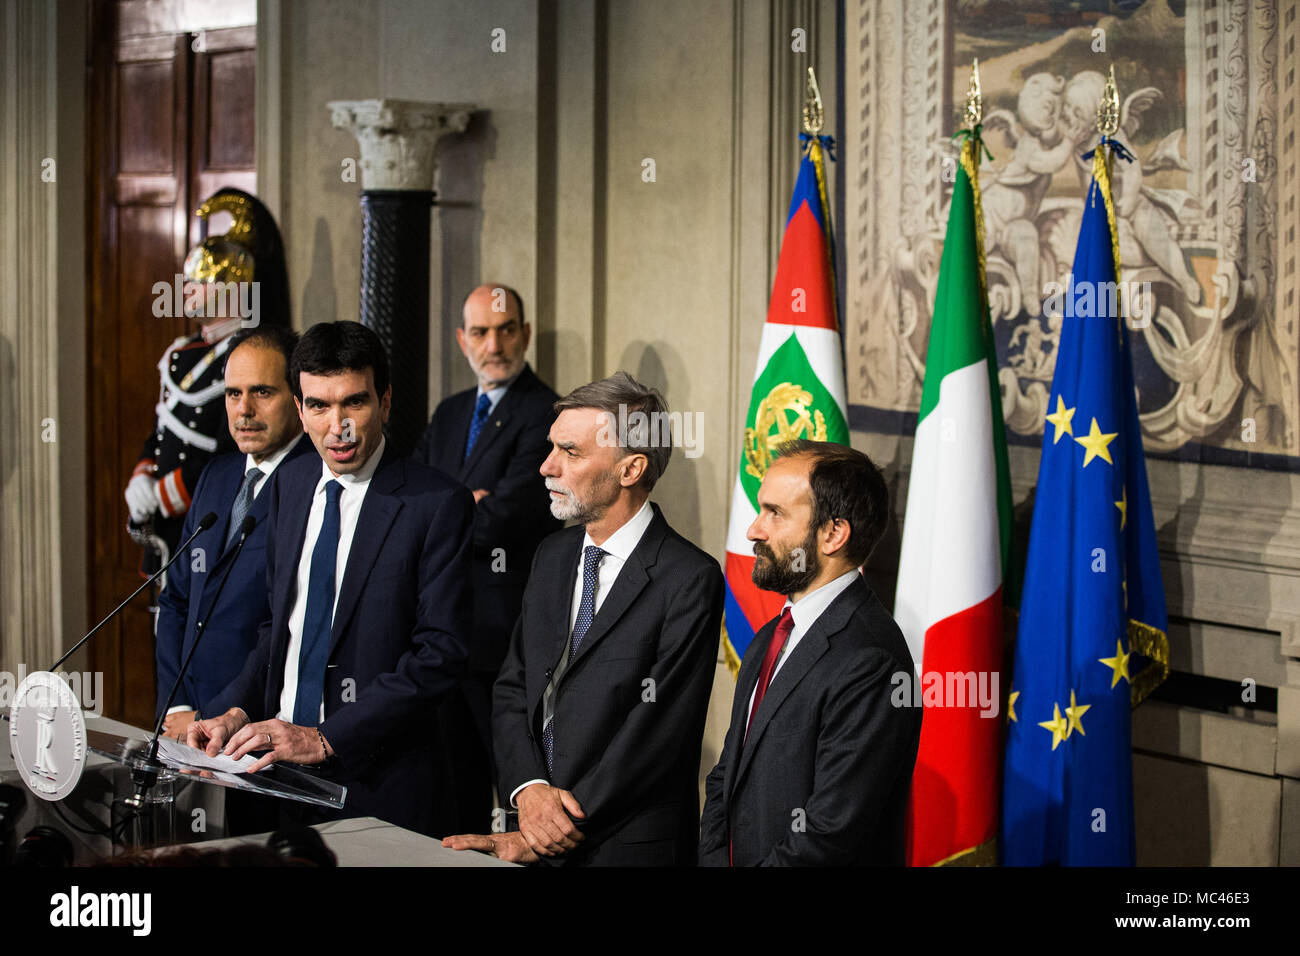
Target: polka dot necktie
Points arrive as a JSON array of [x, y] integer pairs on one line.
[[586, 613], [481, 409]]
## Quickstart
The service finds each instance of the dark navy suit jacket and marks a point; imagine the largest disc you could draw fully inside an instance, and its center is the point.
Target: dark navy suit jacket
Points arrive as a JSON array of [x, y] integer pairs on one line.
[[399, 639], [192, 582], [513, 519]]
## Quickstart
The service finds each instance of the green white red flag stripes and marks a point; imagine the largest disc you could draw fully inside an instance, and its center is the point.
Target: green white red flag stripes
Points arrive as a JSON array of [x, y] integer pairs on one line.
[[798, 387], [954, 554]]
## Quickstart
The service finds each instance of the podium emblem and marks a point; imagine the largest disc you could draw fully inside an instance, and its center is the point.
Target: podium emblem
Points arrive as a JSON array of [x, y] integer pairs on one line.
[[47, 735]]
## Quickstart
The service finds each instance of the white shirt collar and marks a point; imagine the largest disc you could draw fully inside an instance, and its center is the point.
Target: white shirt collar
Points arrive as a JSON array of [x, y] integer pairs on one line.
[[808, 608], [271, 462], [361, 477], [623, 542]]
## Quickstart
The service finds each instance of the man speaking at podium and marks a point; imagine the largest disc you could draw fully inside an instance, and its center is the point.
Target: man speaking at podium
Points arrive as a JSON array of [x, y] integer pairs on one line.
[[368, 564]]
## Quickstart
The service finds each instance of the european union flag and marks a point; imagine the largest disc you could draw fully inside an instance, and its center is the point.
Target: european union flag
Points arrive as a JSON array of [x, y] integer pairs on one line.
[[1093, 605]]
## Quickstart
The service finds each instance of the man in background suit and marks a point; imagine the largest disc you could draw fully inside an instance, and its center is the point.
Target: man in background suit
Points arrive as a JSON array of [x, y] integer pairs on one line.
[[368, 568], [492, 439], [264, 424], [599, 710], [817, 763]]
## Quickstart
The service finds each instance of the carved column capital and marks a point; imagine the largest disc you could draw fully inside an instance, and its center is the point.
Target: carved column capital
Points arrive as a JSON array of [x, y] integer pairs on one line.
[[398, 137]]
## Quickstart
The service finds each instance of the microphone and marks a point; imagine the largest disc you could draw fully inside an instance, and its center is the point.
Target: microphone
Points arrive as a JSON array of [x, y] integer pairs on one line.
[[145, 777], [206, 522]]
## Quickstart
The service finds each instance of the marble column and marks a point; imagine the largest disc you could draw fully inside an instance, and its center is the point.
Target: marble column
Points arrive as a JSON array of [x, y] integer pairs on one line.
[[43, 474], [397, 139]]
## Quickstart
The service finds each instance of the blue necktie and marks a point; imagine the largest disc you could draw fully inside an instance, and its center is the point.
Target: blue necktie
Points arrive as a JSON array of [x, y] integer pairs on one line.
[[243, 501], [481, 409], [586, 613], [587, 609], [320, 615]]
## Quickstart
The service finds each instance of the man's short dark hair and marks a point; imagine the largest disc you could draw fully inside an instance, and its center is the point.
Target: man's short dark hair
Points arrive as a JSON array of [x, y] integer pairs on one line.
[[331, 347], [648, 433], [278, 338], [845, 484]]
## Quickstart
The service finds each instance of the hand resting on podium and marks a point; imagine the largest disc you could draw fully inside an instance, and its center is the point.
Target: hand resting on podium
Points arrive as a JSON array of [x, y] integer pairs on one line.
[[233, 735], [511, 847]]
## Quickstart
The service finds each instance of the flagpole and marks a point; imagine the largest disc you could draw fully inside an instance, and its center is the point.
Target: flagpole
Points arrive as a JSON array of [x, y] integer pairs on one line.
[[813, 121], [973, 113], [970, 157], [1150, 642], [799, 373], [1108, 126], [953, 563]]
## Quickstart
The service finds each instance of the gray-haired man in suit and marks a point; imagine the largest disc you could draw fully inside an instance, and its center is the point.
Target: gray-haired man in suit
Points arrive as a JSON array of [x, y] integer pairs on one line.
[[599, 708]]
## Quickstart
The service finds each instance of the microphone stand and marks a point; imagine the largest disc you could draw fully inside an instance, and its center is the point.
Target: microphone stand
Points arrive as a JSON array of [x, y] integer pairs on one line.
[[206, 522], [144, 775]]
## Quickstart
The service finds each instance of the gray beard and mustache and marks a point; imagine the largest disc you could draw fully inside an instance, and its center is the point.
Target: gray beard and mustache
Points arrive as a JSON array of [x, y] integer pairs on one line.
[[780, 575], [585, 511]]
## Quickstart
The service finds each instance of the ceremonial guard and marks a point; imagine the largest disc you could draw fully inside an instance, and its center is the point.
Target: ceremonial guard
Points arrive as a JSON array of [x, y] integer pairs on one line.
[[231, 281]]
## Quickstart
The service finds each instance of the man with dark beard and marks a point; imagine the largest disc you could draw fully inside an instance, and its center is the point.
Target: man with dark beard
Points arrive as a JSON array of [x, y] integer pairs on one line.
[[817, 763]]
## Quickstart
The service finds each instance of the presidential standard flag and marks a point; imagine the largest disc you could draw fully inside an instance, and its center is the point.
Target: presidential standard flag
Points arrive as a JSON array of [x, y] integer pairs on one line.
[[954, 554], [798, 386], [1093, 605]]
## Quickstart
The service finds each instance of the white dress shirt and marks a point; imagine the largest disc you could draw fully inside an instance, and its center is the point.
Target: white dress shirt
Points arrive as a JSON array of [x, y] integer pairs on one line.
[[266, 466], [354, 491], [618, 547], [805, 612]]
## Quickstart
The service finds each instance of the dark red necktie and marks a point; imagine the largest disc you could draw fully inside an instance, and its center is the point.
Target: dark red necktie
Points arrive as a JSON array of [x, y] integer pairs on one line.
[[783, 628]]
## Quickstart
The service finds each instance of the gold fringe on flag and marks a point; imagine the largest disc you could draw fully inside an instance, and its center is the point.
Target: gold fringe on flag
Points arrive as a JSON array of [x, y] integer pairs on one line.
[[986, 854], [969, 157], [1108, 126], [729, 654], [1153, 643], [813, 121]]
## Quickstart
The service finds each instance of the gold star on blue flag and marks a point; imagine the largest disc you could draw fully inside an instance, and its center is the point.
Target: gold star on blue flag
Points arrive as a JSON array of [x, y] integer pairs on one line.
[[1092, 589]]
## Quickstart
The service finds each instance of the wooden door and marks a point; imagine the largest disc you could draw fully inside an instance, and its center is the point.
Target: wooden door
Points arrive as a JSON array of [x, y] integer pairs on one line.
[[169, 124]]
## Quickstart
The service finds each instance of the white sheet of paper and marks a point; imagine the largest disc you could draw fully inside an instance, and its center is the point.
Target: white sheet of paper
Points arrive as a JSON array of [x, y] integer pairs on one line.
[[193, 757]]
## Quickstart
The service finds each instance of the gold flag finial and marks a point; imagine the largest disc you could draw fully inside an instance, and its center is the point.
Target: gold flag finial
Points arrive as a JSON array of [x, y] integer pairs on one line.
[[974, 112], [814, 117], [1108, 109]]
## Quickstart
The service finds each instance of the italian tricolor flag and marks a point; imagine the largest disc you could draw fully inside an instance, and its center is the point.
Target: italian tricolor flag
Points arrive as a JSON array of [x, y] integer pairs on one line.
[[954, 551], [798, 387]]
